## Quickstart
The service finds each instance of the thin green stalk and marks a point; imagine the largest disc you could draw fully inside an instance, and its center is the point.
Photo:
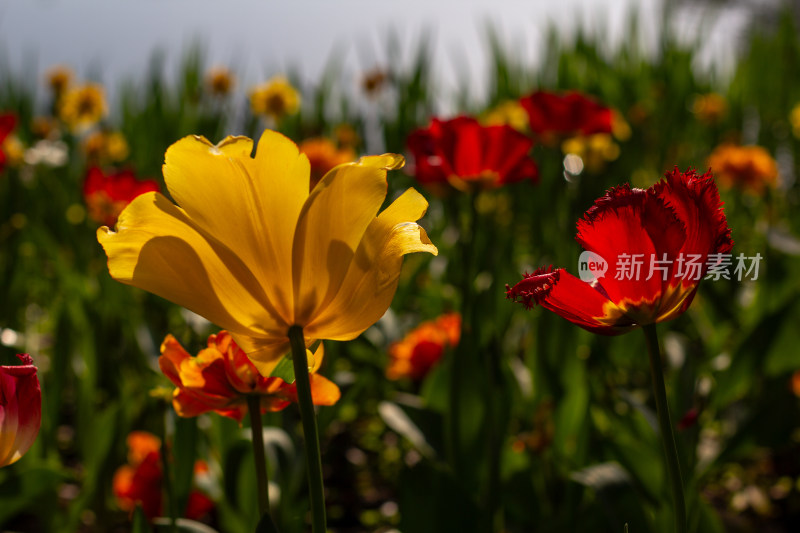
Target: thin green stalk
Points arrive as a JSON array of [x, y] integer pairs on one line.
[[310, 433], [665, 425], [262, 477], [172, 503]]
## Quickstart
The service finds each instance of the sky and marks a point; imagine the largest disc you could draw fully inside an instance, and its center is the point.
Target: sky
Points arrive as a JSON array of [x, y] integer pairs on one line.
[[259, 38]]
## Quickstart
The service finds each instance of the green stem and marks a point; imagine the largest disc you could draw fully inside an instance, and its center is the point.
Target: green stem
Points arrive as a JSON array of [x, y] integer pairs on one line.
[[665, 425], [461, 357], [310, 433], [262, 477]]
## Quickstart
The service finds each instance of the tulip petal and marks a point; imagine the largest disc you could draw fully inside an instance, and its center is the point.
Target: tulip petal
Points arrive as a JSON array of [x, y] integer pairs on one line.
[[20, 409], [576, 300], [372, 276], [249, 204], [627, 226], [159, 249], [330, 228]]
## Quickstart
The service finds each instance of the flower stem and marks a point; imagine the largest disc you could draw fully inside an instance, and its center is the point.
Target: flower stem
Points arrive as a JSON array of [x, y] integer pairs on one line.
[[262, 477], [665, 425], [310, 433]]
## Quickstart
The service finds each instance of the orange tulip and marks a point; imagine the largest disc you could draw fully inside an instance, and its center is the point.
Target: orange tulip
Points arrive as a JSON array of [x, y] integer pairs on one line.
[[221, 378], [423, 347]]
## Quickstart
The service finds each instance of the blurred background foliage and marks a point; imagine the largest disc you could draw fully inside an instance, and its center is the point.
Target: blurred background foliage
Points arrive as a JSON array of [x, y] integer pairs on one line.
[[559, 430]]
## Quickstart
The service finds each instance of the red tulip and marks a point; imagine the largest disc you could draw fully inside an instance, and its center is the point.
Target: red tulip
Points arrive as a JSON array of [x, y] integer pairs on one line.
[[107, 195], [465, 154], [7, 123], [656, 244], [140, 481], [20, 409], [568, 114]]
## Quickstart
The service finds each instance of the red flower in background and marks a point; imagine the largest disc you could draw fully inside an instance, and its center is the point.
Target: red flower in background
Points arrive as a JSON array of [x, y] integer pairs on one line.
[[20, 409], [7, 123], [140, 481], [423, 347], [674, 230], [565, 115], [221, 377], [106, 195], [465, 154]]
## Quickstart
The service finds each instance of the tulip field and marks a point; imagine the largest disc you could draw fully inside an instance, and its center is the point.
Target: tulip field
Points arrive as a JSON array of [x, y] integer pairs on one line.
[[290, 306]]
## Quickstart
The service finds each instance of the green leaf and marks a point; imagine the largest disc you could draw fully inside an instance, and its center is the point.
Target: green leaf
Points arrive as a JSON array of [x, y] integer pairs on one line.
[[139, 521], [284, 370], [266, 525], [186, 435]]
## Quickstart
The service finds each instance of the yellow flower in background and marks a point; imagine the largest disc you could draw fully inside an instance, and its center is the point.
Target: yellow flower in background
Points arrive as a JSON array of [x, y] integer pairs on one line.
[[106, 147], [14, 151], [794, 118], [253, 251], [346, 136], [275, 98], [509, 113], [220, 81], [620, 128], [709, 108], [58, 79], [594, 150], [83, 106], [323, 155], [747, 167]]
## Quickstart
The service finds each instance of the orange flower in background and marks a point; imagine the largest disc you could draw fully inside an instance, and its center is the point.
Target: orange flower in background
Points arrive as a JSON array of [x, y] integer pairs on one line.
[[275, 98], [45, 128], [796, 383], [106, 195], [677, 225], [323, 156], [141, 480], [7, 123], [103, 147], [709, 108], [82, 107], [552, 116], [20, 409], [423, 347], [221, 378], [747, 167], [220, 81], [346, 136], [464, 154], [374, 81]]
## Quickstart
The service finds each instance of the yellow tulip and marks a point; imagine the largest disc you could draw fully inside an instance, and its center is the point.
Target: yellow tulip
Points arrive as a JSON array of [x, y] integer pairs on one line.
[[253, 251]]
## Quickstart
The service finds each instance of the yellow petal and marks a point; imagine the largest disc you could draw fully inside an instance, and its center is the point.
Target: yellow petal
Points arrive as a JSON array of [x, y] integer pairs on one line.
[[280, 165], [266, 355], [371, 281], [329, 230], [243, 202], [157, 248]]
